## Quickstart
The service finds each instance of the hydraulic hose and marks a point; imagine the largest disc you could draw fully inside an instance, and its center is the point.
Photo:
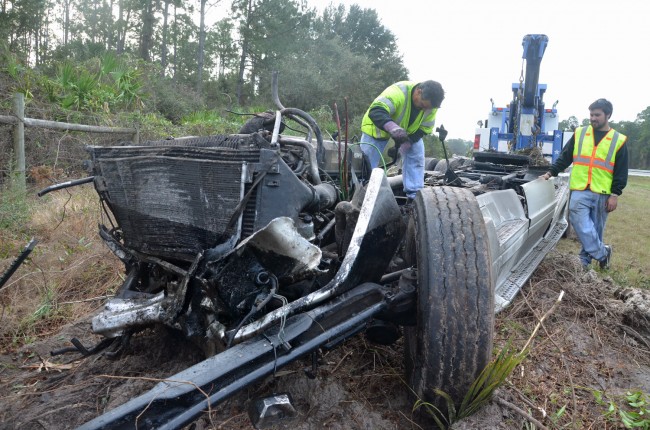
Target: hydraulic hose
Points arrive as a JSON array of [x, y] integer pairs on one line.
[[65, 185], [297, 114], [18, 261], [320, 148], [313, 162]]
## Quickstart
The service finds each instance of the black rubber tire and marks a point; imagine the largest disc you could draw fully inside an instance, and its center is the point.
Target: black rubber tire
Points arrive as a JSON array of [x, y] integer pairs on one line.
[[452, 341], [430, 163], [502, 158], [454, 163]]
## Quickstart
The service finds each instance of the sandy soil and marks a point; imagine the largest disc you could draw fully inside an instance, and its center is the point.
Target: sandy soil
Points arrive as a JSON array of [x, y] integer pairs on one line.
[[597, 338]]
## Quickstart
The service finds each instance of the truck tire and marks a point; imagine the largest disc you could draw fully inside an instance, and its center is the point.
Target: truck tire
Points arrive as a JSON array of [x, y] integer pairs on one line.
[[430, 163], [452, 341], [502, 158]]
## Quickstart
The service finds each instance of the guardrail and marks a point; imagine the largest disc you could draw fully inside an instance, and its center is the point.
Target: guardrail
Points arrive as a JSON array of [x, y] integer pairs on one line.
[[19, 122], [638, 172]]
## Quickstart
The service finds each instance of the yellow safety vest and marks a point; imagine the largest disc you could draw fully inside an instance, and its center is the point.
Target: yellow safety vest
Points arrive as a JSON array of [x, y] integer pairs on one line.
[[397, 101], [593, 165]]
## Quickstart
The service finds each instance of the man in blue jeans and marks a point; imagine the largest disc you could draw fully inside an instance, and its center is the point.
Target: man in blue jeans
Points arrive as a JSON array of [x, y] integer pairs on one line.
[[405, 112], [599, 174]]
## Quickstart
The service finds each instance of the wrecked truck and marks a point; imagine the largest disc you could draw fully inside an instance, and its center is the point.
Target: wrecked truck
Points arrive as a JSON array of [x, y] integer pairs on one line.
[[264, 248]]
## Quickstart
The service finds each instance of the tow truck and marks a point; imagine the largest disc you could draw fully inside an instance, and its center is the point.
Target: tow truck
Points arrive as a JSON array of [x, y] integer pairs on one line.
[[524, 127]]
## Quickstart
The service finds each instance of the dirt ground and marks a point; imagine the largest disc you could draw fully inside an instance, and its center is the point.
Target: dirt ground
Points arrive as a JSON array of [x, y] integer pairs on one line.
[[596, 340]]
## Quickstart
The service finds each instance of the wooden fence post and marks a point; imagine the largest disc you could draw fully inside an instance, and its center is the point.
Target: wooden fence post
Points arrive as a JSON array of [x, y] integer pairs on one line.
[[19, 141]]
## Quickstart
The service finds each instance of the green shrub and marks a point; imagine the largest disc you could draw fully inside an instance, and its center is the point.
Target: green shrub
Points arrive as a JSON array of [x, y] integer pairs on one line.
[[174, 102]]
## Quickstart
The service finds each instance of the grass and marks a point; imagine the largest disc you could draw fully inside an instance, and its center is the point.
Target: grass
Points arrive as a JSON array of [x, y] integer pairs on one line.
[[67, 269], [14, 209], [629, 234]]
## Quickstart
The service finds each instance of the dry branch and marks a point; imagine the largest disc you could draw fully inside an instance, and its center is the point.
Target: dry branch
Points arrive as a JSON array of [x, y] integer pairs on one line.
[[520, 412]]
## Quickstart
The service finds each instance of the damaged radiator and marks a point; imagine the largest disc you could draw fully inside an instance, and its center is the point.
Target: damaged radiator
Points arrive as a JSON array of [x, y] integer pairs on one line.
[[174, 198]]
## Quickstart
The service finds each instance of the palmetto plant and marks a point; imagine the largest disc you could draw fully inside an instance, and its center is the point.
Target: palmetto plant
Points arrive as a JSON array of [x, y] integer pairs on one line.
[[103, 83], [126, 82], [108, 64], [480, 392], [79, 88]]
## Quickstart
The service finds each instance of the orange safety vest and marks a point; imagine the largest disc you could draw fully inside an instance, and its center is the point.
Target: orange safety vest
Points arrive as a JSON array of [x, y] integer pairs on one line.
[[593, 165]]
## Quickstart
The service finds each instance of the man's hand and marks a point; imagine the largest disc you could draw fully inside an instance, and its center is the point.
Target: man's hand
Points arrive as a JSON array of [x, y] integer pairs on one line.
[[611, 203], [398, 134], [546, 176]]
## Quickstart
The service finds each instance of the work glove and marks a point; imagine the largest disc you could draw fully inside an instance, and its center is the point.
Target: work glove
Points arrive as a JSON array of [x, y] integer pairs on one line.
[[396, 132], [404, 147]]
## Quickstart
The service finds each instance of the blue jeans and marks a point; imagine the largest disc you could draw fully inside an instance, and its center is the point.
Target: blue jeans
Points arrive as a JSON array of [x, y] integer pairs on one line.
[[412, 167], [588, 217]]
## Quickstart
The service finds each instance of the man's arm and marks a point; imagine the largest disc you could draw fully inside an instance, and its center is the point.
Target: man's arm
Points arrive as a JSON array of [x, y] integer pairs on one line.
[[379, 116], [619, 180], [419, 134], [565, 159]]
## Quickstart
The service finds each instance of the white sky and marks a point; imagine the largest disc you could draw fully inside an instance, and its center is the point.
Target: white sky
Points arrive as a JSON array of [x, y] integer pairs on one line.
[[473, 48]]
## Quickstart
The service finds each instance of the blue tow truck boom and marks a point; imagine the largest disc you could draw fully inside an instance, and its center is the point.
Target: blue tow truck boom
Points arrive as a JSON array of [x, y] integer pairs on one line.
[[525, 123]]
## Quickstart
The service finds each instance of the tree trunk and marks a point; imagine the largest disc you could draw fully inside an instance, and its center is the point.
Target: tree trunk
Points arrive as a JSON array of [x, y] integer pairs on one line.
[[111, 27], [37, 38], [163, 48], [146, 36], [66, 21], [121, 27], [174, 70], [244, 54], [201, 53]]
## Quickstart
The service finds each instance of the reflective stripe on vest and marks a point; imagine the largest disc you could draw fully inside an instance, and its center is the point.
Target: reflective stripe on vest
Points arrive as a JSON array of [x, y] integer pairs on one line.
[[391, 106], [593, 165], [389, 98]]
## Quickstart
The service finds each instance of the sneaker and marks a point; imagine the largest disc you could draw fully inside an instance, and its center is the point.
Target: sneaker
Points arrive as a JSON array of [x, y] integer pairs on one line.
[[605, 262]]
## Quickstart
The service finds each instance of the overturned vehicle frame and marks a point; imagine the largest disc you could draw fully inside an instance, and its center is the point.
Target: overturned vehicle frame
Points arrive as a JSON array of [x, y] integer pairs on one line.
[[264, 248]]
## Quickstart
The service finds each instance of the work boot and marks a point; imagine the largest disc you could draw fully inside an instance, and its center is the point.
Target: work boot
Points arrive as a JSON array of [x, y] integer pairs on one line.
[[605, 262]]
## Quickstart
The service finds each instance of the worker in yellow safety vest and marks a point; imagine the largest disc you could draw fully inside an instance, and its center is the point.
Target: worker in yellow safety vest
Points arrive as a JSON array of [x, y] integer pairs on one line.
[[598, 176], [405, 111]]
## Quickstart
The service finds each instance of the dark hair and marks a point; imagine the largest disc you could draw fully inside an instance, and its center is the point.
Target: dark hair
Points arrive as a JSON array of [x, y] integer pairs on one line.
[[603, 104], [433, 92]]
